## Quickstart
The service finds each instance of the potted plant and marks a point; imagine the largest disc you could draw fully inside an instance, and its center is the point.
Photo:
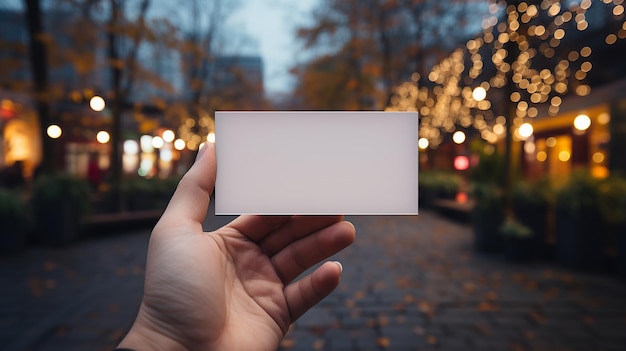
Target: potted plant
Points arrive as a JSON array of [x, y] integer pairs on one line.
[[612, 196], [518, 240], [60, 204], [487, 216], [437, 185], [13, 222], [580, 226], [532, 206]]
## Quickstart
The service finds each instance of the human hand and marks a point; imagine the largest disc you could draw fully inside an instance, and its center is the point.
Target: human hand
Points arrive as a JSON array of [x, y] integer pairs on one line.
[[234, 288]]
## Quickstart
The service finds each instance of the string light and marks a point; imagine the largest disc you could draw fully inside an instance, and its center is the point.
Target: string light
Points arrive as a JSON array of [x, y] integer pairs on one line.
[[450, 102]]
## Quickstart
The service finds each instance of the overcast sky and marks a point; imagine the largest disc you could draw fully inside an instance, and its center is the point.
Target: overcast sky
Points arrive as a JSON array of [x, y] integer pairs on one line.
[[271, 26]]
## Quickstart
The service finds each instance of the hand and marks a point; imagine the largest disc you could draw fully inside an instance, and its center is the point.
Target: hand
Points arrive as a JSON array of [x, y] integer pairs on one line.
[[234, 288]]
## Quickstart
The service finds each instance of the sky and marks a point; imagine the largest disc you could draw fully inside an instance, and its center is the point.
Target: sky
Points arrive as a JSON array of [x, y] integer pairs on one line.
[[270, 24]]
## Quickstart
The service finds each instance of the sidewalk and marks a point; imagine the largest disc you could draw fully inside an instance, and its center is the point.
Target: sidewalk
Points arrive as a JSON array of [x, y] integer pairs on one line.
[[409, 283]]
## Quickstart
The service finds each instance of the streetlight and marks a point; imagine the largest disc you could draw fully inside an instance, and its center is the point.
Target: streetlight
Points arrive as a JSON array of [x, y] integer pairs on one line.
[[103, 137], [54, 131], [168, 136], [582, 122], [97, 103], [179, 144]]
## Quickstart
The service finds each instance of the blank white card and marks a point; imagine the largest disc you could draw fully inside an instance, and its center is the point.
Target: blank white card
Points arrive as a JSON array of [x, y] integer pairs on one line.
[[316, 163]]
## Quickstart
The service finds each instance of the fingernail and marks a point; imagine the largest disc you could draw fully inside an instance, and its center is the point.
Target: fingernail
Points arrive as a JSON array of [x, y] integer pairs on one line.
[[202, 150], [339, 264]]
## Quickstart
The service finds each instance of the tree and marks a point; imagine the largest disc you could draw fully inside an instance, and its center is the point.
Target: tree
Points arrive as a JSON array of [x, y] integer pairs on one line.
[[383, 42], [121, 83], [38, 57], [527, 59]]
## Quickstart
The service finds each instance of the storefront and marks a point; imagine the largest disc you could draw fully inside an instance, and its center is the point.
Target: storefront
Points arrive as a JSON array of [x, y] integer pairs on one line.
[[580, 136], [20, 141]]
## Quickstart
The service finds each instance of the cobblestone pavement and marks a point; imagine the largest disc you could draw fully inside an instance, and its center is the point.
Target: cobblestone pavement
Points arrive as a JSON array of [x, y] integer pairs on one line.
[[409, 283]]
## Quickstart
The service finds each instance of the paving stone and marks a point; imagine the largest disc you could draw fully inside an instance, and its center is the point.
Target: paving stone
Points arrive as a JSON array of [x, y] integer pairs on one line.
[[409, 283]]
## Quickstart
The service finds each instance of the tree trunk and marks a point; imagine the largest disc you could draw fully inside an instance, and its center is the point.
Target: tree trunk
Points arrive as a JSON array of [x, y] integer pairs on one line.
[[39, 67], [116, 108]]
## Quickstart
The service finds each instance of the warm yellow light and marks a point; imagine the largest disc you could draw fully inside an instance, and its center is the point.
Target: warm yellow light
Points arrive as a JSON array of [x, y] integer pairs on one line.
[[54, 131], [423, 143], [598, 157], [103, 137], [585, 52], [157, 142], [611, 39], [604, 118], [551, 142], [542, 156], [458, 137], [479, 94], [582, 122], [168, 136], [179, 144], [97, 103], [498, 129], [564, 156], [211, 138], [525, 130]]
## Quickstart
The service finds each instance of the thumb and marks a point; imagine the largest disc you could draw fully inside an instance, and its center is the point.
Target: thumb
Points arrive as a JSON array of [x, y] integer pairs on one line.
[[190, 201]]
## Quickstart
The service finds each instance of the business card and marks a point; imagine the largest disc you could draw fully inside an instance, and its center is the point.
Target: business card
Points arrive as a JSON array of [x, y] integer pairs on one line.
[[316, 163]]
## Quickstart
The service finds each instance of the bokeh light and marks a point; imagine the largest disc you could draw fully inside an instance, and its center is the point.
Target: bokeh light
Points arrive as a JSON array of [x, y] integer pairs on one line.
[[525, 130], [168, 136], [423, 143], [582, 122], [458, 137], [54, 131], [103, 137], [131, 147], [97, 103], [179, 144], [479, 94], [157, 142]]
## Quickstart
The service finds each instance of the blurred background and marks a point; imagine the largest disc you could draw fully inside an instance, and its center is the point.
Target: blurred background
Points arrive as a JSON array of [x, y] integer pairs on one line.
[[121, 94], [522, 109]]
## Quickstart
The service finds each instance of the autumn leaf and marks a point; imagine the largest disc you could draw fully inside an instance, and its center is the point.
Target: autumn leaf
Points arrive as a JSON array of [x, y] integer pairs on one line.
[[383, 342], [288, 343]]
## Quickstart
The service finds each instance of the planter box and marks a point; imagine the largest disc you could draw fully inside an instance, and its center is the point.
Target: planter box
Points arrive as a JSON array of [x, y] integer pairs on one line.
[[487, 237], [621, 250], [536, 218], [518, 249], [12, 238], [580, 239], [58, 225]]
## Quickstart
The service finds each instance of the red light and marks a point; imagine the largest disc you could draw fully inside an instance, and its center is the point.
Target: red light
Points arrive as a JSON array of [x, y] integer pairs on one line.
[[7, 109], [461, 163], [6, 113], [461, 197]]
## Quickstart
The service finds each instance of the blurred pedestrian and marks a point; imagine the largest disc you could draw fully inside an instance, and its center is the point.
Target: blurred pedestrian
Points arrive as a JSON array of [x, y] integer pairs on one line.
[[94, 172], [234, 288]]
